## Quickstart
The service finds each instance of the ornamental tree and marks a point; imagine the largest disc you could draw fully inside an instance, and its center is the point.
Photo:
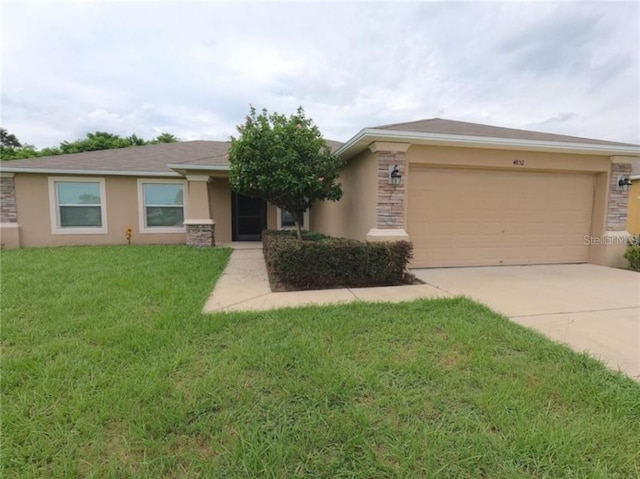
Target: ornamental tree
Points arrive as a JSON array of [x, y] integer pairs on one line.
[[284, 161]]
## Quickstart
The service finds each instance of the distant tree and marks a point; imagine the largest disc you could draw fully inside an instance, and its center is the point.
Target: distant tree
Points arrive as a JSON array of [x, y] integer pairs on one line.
[[50, 151], [12, 149], [8, 139], [25, 151], [135, 140], [165, 138], [284, 161], [99, 140]]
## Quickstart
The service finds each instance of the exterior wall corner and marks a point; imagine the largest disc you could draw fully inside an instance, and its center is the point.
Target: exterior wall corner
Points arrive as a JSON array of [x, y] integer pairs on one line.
[[9, 236], [612, 248]]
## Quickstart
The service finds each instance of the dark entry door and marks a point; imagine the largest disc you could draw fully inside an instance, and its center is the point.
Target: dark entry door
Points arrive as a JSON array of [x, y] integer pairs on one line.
[[249, 217]]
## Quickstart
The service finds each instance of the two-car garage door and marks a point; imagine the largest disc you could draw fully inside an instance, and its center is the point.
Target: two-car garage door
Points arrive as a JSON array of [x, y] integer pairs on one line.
[[473, 217]]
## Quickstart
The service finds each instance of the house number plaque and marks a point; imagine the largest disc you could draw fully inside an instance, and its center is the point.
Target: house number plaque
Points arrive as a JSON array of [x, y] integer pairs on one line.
[[518, 162]]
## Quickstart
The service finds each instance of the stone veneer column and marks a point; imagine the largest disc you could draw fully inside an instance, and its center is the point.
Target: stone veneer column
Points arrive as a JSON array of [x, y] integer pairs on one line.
[[618, 201], [390, 199], [198, 222], [202, 235], [616, 235], [8, 212], [9, 230]]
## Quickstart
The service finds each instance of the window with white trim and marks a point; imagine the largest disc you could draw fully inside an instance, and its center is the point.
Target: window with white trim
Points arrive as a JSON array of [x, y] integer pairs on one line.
[[286, 221], [78, 205], [161, 205]]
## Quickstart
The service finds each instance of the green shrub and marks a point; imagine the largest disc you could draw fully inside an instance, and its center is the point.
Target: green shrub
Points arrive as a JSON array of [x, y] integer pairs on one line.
[[290, 233], [320, 262], [633, 253]]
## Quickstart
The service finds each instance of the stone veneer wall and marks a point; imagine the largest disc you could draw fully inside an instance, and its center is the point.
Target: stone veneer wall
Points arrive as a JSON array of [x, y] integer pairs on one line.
[[390, 203], [618, 204], [8, 200], [201, 235]]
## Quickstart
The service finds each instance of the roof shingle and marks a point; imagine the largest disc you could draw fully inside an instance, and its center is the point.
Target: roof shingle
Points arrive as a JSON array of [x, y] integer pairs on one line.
[[147, 158], [144, 159], [450, 127]]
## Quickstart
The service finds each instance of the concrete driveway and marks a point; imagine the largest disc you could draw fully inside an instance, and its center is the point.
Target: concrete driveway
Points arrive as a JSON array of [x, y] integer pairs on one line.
[[590, 308]]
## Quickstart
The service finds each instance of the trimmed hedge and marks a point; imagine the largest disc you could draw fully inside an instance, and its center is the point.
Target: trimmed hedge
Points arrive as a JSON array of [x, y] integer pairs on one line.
[[321, 262]]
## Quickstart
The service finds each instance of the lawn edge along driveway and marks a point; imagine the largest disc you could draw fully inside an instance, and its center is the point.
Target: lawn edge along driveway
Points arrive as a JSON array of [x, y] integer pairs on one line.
[[587, 307]]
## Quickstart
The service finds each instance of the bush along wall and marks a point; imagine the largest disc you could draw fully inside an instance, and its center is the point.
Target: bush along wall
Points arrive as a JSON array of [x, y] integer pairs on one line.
[[632, 254], [320, 262]]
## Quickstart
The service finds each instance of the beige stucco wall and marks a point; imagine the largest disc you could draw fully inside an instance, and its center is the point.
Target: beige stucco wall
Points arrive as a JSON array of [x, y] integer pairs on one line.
[[220, 204], [9, 235], [32, 203], [197, 195], [598, 253], [355, 214], [490, 158], [34, 223], [272, 217]]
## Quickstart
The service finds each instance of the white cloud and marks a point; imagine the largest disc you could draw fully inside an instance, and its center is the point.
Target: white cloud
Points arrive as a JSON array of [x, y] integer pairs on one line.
[[193, 68]]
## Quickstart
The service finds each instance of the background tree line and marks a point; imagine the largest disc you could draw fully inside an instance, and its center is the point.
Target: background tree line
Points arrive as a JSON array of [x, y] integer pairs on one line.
[[11, 148]]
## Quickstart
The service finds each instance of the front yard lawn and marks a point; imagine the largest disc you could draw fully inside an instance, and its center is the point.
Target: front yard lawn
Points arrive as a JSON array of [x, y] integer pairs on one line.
[[110, 370]]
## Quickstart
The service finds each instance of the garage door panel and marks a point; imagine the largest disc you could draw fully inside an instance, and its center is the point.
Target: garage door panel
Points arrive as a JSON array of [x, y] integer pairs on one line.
[[491, 256], [464, 217], [570, 232], [454, 230]]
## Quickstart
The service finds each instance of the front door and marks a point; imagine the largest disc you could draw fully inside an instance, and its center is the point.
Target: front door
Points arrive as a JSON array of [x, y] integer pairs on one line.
[[249, 217]]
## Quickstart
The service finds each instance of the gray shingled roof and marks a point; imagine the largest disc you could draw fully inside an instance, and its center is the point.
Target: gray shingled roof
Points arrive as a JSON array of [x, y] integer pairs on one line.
[[147, 158], [155, 158], [144, 159], [450, 127]]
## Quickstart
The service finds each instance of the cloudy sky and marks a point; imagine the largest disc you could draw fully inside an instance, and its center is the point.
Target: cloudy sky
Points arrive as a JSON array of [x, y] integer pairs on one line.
[[192, 69]]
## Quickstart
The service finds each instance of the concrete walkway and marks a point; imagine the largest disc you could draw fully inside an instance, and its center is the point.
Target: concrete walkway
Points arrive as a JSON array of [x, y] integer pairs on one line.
[[244, 286]]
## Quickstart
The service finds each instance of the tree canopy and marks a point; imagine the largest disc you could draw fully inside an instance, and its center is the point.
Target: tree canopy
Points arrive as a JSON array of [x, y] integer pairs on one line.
[[7, 139], [165, 138], [285, 161], [12, 149]]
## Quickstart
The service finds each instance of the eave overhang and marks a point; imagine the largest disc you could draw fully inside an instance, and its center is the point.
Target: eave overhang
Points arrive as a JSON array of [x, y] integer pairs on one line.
[[71, 171], [365, 137], [211, 170]]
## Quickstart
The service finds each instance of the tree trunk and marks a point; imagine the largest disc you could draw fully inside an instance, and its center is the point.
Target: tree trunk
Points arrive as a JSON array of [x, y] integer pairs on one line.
[[297, 217]]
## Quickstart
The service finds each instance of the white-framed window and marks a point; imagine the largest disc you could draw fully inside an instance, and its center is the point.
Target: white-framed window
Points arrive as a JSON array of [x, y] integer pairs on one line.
[[161, 205], [77, 205], [285, 220]]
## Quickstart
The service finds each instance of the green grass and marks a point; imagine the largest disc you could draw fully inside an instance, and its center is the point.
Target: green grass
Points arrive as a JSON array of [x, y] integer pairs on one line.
[[110, 370]]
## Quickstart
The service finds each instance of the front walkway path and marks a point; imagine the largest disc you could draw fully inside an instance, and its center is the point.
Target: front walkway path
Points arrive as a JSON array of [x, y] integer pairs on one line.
[[244, 286]]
